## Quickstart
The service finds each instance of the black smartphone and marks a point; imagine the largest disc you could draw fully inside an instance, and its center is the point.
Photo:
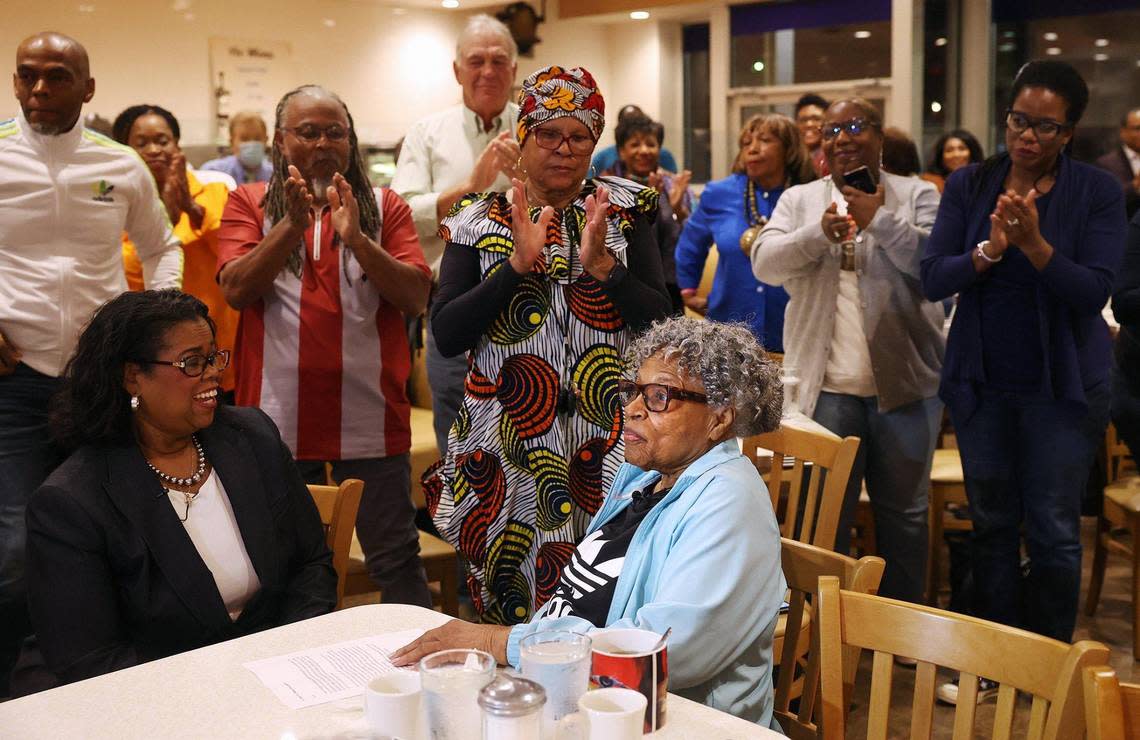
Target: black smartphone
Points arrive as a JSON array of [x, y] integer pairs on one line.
[[860, 179]]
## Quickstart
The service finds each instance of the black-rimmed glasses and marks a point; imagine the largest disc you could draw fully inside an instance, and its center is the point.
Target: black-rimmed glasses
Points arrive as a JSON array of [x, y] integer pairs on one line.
[[312, 134], [194, 365], [548, 138], [1044, 128], [655, 395], [853, 127]]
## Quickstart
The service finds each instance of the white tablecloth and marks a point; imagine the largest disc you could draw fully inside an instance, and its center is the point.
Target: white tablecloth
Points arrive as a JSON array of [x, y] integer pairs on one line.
[[207, 693]]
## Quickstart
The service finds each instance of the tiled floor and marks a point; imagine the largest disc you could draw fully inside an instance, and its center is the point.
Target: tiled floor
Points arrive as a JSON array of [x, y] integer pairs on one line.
[[1111, 625]]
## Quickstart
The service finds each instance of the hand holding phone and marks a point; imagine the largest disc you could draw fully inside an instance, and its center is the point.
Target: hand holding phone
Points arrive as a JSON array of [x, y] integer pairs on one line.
[[860, 178]]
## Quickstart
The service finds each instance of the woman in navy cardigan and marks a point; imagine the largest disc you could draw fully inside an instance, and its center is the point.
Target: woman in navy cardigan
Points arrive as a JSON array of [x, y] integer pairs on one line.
[[1030, 241]]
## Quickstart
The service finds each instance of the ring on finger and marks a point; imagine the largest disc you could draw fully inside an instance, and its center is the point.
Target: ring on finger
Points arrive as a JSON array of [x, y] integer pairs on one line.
[[1013, 222]]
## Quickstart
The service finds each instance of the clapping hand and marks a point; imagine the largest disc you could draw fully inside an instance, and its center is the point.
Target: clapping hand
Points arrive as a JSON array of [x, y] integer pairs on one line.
[[344, 212], [675, 192], [1019, 216], [529, 237], [500, 155], [176, 193], [298, 200], [596, 259], [835, 227]]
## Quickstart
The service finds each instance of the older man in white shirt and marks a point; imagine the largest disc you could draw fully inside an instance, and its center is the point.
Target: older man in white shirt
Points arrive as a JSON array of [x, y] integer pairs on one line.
[[465, 149], [66, 195]]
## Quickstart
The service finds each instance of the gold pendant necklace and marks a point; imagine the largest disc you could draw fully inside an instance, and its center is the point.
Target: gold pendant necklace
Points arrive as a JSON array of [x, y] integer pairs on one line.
[[754, 218]]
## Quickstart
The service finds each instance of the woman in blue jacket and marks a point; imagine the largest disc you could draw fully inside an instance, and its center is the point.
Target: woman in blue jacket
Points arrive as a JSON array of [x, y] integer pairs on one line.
[[688, 525], [730, 214], [1029, 240]]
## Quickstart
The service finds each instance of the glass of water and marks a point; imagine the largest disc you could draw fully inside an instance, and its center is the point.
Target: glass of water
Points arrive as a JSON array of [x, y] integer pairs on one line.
[[451, 680], [559, 662]]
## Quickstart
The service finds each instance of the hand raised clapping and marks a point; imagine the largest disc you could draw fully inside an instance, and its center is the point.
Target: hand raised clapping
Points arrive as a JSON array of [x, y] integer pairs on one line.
[[529, 236], [298, 200]]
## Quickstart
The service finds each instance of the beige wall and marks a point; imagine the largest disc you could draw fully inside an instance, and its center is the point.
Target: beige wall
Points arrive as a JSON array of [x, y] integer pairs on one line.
[[391, 69]]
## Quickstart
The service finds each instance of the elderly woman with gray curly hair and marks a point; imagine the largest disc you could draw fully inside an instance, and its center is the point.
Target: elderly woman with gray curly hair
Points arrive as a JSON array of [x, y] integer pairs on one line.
[[686, 533]]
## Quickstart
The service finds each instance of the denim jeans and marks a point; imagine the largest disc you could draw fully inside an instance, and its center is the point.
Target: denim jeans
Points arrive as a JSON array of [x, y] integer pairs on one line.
[[1026, 461], [895, 453], [27, 456], [385, 524]]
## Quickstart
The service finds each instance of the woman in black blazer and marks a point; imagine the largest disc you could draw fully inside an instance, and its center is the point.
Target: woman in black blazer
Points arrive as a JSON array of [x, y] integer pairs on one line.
[[175, 523]]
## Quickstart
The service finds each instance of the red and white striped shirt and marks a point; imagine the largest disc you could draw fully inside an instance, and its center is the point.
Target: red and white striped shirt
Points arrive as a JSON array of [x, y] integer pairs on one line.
[[324, 355]]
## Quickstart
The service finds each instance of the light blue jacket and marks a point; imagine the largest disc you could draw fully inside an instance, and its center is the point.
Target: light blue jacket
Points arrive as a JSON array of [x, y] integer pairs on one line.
[[706, 562]]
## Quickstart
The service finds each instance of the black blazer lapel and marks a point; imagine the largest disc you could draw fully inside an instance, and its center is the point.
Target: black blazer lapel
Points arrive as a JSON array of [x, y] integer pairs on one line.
[[138, 494], [233, 458]]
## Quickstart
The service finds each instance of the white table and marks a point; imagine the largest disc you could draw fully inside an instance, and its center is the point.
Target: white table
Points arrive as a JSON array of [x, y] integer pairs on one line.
[[207, 693]]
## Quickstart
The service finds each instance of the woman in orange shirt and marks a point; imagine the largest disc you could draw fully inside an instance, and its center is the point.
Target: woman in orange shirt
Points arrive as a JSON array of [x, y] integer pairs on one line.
[[194, 208]]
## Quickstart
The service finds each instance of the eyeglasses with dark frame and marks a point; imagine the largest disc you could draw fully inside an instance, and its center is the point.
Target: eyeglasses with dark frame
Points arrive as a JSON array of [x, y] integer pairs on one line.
[[548, 138], [192, 366], [853, 126], [655, 395], [1045, 129], [312, 134]]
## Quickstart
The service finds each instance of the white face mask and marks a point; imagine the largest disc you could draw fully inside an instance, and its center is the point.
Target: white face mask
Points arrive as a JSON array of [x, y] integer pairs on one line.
[[251, 154]]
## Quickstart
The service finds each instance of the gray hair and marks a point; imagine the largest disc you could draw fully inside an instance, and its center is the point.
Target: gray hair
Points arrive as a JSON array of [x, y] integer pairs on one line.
[[734, 368], [480, 24]]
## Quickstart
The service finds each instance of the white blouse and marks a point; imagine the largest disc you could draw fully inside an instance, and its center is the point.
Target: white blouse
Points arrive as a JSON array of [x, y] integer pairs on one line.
[[214, 531]]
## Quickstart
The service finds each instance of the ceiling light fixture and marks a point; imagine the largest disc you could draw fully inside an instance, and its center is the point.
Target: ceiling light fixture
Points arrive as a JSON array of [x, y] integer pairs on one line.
[[940, 41], [1049, 36], [1100, 57], [450, 3], [862, 34], [758, 66], [1053, 51], [935, 106], [639, 15], [1100, 43]]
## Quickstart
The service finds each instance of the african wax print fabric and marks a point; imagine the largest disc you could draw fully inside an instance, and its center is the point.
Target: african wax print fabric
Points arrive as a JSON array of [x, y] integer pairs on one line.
[[538, 438], [556, 93]]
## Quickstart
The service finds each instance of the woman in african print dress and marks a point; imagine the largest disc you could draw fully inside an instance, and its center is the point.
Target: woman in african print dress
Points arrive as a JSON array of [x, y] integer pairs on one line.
[[544, 287]]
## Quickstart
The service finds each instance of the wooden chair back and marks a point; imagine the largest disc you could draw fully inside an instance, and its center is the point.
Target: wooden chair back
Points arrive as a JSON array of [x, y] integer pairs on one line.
[[1046, 669], [815, 491], [338, 506], [1118, 458], [798, 667], [1112, 708]]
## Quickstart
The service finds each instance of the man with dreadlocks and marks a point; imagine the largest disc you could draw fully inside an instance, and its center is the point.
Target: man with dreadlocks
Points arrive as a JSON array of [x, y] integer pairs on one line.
[[321, 267]]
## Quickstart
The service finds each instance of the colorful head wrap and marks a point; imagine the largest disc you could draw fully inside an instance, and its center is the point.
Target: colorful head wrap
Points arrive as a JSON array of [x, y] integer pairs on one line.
[[555, 92]]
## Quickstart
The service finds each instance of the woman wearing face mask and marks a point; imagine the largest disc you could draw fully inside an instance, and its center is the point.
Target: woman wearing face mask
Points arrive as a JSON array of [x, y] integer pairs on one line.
[[953, 151], [730, 214], [195, 209], [1030, 240], [248, 161]]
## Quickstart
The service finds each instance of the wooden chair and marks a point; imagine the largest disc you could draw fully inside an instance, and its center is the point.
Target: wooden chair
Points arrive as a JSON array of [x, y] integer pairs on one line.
[[798, 668], [947, 486], [1046, 669], [1121, 510], [337, 506], [1118, 458], [811, 513], [1112, 708]]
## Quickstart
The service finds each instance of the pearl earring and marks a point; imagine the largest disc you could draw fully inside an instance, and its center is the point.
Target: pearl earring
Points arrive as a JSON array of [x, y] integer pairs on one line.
[[134, 403]]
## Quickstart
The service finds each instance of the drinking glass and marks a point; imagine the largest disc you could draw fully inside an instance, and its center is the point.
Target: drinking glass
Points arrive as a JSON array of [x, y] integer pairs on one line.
[[451, 682], [558, 661]]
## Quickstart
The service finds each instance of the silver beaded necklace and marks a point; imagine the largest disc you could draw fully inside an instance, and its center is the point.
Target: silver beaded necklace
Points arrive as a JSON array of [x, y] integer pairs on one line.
[[193, 480]]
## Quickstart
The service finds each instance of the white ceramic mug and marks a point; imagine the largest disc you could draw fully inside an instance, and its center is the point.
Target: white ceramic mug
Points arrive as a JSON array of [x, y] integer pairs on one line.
[[392, 705], [605, 714]]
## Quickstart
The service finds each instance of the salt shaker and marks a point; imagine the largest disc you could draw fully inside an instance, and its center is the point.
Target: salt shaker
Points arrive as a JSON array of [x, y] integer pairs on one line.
[[512, 708]]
